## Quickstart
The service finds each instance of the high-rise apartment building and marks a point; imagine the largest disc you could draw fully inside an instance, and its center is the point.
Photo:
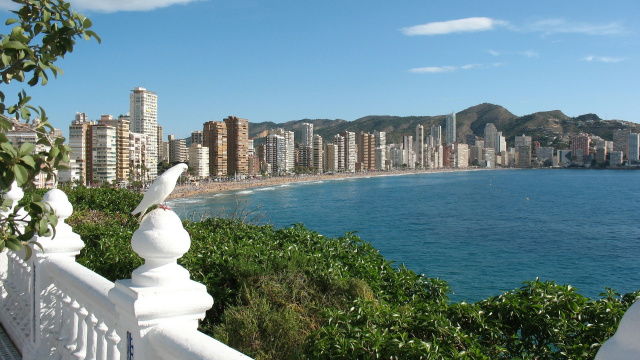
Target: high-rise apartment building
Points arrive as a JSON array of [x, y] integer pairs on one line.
[[199, 160], [178, 151], [489, 157], [420, 145], [461, 155], [197, 137], [80, 144], [491, 136], [122, 145], [436, 132], [381, 150], [330, 157], [616, 158], [143, 110], [501, 142], [275, 153], [306, 147], [522, 151], [162, 156], [137, 156], [350, 151], [397, 156], [237, 145], [317, 154], [366, 151], [544, 154], [450, 128], [103, 153], [214, 136], [634, 147], [381, 139], [446, 156], [621, 140], [601, 155], [289, 148], [522, 141], [307, 134], [523, 156], [580, 144], [338, 141]]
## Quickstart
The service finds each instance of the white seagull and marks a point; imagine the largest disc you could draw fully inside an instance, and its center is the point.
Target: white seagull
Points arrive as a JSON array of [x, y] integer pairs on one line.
[[160, 189]]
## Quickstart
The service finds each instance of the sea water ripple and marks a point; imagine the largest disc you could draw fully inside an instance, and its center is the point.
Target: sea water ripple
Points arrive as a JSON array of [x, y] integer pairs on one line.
[[484, 232]]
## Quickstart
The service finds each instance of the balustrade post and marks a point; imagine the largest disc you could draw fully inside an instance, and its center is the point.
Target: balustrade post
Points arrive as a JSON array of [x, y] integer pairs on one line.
[[15, 194], [160, 291], [625, 343], [16, 284], [64, 246]]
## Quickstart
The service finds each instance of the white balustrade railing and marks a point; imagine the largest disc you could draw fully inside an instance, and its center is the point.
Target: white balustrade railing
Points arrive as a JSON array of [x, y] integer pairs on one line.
[[83, 314], [169, 342], [17, 299], [54, 308]]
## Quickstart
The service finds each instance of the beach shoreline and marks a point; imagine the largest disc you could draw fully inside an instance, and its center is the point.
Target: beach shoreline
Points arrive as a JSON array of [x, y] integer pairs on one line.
[[214, 187]]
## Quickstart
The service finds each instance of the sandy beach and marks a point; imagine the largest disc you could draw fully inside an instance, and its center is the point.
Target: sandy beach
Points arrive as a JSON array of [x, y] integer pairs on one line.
[[192, 190]]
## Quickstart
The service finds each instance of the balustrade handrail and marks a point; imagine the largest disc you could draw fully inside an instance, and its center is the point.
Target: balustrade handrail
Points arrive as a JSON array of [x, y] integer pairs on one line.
[[172, 342], [82, 281]]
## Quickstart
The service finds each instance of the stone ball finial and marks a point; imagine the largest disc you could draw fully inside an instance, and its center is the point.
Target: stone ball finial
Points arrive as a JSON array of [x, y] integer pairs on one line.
[[160, 241], [15, 194], [58, 201]]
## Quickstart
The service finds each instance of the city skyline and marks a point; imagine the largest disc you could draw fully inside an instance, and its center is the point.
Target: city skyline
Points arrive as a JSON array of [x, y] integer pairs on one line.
[[290, 61]]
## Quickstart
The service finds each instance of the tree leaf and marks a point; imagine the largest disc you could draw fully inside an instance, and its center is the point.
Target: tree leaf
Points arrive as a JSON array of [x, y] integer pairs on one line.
[[13, 244], [21, 173], [27, 148], [28, 160], [6, 146], [27, 252]]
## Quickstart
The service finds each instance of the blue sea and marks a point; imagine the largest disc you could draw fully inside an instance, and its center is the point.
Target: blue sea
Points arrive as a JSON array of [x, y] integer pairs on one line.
[[484, 232]]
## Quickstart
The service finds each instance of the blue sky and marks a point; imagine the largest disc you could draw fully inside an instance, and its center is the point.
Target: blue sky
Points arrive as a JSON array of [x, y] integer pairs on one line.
[[290, 59]]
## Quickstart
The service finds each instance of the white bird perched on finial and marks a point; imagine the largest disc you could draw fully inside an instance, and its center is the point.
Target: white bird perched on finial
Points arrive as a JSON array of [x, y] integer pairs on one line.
[[160, 189]]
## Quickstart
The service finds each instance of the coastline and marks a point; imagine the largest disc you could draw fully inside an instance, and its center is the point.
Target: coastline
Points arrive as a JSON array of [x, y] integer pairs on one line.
[[212, 187]]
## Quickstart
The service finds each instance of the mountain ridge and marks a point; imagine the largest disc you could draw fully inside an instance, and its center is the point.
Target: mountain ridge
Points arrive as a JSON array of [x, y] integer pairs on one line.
[[548, 127]]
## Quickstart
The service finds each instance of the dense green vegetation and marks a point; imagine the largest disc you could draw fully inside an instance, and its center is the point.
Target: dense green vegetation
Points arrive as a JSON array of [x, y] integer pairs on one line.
[[293, 294]]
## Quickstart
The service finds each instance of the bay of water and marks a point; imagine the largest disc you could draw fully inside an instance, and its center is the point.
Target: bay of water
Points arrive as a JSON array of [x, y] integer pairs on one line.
[[484, 232]]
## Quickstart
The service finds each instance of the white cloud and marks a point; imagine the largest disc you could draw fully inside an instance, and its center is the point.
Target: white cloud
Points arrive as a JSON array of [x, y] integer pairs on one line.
[[473, 24], [443, 69], [471, 66], [110, 6], [530, 54], [561, 26], [493, 52], [433, 69], [604, 59]]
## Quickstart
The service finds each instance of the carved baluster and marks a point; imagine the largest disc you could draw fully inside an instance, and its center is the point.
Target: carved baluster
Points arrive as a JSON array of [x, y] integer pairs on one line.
[[72, 340], [91, 321], [56, 325], [113, 344], [25, 310], [82, 333], [66, 317], [101, 341]]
